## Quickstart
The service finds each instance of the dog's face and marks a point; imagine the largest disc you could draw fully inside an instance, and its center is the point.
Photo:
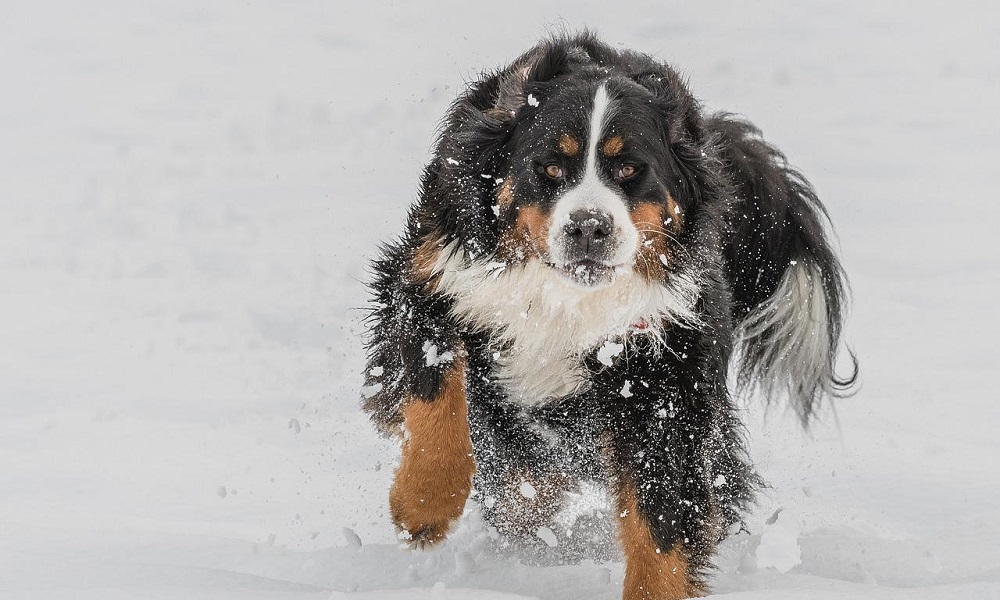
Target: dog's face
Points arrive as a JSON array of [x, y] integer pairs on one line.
[[587, 189]]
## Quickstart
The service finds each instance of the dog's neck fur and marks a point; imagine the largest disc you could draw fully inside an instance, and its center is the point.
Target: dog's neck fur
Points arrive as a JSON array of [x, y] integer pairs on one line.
[[542, 326]]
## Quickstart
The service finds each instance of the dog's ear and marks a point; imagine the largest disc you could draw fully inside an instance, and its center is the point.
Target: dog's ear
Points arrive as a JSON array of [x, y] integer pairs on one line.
[[528, 75], [679, 110], [511, 95], [688, 147]]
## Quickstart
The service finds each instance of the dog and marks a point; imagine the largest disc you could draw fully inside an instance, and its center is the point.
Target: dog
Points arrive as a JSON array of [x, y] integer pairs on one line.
[[595, 266]]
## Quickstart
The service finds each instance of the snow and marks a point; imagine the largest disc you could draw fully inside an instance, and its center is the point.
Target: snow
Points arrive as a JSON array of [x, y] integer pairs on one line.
[[527, 490], [548, 536], [191, 192], [609, 350], [432, 356], [779, 544]]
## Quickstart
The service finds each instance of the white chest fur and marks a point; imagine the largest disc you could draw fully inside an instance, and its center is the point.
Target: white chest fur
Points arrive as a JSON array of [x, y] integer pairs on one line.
[[546, 324]]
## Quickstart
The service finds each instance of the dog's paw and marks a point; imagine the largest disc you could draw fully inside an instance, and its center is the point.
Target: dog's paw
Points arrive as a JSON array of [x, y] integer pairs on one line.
[[421, 536], [424, 506]]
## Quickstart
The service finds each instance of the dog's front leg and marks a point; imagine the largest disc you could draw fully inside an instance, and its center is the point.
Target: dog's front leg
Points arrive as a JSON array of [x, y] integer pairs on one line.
[[664, 516], [435, 474], [652, 571]]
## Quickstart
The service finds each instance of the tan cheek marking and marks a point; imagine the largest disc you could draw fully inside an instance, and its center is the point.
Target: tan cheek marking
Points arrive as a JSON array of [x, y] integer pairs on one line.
[[650, 572], [613, 146], [508, 243], [534, 224], [568, 145], [654, 254], [675, 218], [425, 257], [527, 237], [435, 474], [505, 195]]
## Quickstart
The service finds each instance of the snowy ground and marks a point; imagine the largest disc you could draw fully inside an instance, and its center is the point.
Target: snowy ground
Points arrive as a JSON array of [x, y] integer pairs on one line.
[[190, 192]]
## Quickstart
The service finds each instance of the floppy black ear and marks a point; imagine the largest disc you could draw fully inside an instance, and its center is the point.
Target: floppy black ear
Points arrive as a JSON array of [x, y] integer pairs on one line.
[[689, 148], [527, 75], [511, 95], [680, 111]]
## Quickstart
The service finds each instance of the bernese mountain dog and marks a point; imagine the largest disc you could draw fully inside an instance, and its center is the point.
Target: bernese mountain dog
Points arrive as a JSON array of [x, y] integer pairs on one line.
[[592, 264]]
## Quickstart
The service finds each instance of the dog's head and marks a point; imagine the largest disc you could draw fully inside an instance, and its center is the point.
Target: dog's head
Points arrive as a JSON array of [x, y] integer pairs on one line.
[[585, 192], [588, 159]]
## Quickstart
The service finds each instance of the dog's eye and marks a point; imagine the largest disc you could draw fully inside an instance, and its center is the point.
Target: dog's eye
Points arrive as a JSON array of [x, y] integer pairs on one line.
[[554, 171], [626, 172]]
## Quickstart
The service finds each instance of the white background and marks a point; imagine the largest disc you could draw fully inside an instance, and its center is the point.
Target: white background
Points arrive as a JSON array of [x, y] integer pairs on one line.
[[190, 192]]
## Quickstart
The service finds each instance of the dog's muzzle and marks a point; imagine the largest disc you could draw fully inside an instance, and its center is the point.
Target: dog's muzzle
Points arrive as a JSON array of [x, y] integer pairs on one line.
[[589, 236], [589, 244]]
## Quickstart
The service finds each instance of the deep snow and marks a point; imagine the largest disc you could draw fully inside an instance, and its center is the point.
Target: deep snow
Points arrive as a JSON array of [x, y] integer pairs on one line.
[[190, 193]]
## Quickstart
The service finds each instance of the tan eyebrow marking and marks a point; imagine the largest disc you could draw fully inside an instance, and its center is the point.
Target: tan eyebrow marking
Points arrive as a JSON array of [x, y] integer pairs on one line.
[[568, 145], [613, 146]]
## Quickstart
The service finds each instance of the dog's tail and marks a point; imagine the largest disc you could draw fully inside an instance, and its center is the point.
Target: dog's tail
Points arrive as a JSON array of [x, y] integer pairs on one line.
[[789, 290]]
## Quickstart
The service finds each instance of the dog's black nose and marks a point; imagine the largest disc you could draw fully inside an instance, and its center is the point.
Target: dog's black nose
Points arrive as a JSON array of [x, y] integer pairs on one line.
[[589, 232]]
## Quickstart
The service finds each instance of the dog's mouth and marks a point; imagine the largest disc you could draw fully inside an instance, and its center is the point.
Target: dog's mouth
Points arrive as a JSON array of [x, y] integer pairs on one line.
[[588, 273]]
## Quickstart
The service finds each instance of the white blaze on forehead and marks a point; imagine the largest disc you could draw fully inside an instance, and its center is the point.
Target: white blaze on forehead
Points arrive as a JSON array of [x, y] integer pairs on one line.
[[591, 193], [597, 118]]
